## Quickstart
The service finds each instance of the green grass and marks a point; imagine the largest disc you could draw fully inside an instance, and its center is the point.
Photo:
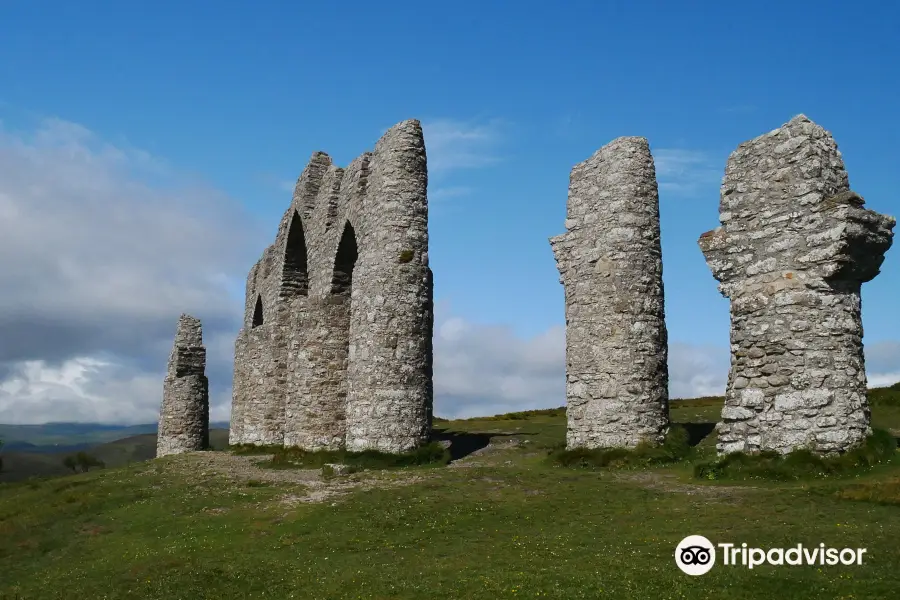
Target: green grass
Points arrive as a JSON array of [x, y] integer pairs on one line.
[[296, 458], [675, 448], [511, 526], [878, 448], [19, 466]]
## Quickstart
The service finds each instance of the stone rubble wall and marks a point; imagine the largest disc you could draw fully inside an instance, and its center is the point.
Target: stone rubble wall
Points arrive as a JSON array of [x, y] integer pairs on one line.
[[793, 250], [184, 414], [294, 373], [610, 264]]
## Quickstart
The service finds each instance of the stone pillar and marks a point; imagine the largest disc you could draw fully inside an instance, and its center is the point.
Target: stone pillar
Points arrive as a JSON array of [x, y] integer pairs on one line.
[[390, 393], [610, 263], [793, 250], [184, 415]]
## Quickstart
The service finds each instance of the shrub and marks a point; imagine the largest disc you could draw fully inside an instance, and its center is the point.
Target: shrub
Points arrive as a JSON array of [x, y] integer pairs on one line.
[[676, 447], [406, 256], [82, 461], [69, 463], [879, 447]]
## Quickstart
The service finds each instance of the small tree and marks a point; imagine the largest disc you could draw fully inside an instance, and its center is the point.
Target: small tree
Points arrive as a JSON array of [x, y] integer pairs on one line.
[[86, 461], [82, 461], [69, 463]]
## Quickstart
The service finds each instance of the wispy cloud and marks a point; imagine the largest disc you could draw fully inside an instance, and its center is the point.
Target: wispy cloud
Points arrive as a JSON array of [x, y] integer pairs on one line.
[[455, 144], [685, 172], [442, 194]]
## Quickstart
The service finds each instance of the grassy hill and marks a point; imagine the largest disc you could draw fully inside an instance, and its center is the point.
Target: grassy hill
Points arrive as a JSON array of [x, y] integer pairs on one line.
[[62, 437], [19, 465], [499, 522]]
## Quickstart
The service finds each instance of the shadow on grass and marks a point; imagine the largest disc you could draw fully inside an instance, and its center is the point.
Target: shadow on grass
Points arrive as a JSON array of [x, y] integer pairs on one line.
[[697, 432], [463, 443]]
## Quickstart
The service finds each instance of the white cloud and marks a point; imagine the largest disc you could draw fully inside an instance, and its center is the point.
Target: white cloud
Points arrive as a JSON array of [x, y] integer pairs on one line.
[[882, 363], [697, 370], [87, 389], [454, 144], [488, 369], [685, 172], [104, 246]]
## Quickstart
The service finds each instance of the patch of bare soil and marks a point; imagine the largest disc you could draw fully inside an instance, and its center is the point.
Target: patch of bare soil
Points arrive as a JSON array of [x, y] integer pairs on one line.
[[311, 486]]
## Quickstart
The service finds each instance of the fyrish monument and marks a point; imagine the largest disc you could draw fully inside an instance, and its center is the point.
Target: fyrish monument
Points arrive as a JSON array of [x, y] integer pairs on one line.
[[336, 345], [793, 250]]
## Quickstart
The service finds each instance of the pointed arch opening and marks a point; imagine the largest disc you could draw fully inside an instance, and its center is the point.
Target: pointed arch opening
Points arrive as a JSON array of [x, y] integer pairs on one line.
[[345, 262], [257, 313], [295, 275]]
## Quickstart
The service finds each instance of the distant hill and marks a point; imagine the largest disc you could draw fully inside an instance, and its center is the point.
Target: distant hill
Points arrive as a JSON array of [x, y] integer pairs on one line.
[[71, 437], [22, 464]]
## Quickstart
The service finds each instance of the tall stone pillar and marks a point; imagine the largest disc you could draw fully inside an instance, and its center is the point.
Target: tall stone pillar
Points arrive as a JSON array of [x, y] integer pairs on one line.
[[390, 395], [793, 250], [184, 415], [610, 263]]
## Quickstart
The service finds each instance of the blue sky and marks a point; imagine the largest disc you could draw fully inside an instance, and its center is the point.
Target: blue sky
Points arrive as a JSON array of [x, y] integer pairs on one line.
[[237, 95]]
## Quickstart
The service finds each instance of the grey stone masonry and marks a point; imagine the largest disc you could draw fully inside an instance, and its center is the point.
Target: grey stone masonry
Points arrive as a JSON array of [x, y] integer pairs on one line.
[[793, 250], [184, 415], [336, 347], [610, 264]]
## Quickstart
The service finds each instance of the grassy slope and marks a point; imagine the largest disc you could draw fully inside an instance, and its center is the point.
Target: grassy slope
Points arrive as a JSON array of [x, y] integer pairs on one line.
[[22, 465], [513, 527], [47, 435]]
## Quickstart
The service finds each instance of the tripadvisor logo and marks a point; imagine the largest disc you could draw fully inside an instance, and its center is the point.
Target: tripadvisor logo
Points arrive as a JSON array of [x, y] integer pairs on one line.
[[696, 555]]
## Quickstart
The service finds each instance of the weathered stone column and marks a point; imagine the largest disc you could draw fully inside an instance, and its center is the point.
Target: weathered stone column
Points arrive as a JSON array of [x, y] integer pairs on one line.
[[793, 250], [390, 393], [184, 415], [610, 263]]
